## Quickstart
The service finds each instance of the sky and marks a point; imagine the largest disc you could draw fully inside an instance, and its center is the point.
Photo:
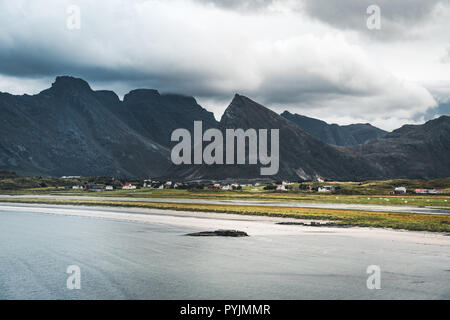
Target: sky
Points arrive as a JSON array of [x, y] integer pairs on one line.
[[312, 57]]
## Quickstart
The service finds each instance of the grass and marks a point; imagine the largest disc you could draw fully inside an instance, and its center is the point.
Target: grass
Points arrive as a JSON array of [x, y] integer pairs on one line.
[[400, 200], [368, 192], [405, 221]]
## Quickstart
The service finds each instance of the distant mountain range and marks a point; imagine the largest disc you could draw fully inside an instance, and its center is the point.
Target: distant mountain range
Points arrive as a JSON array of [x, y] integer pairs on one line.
[[334, 134], [70, 129]]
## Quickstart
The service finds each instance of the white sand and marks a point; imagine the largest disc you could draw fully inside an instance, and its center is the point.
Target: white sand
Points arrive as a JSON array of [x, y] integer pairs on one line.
[[253, 225]]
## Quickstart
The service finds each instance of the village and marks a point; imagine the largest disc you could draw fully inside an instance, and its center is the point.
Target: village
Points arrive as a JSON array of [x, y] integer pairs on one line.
[[317, 186]]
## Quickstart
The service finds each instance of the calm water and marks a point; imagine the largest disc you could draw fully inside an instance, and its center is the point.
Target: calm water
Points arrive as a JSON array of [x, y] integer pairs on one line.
[[129, 260]]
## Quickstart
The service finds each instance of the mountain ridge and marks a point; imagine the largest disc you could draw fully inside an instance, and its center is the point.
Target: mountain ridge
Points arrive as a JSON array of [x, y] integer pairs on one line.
[[334, 134], [70, 129]]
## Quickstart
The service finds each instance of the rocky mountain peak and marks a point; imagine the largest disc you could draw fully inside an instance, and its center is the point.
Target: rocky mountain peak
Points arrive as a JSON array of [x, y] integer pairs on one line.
[[65, 83], [141, 95]]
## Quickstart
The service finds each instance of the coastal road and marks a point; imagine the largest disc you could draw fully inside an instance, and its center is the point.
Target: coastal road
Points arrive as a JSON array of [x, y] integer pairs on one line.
[[137, 253], [289, 204]]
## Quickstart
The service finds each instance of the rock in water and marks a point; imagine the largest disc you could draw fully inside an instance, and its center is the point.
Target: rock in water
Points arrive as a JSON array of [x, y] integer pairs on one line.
[[219, 233]]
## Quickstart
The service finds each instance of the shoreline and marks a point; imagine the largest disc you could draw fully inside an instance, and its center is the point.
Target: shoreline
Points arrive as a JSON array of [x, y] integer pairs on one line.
[[207, 221], [411, 221], [433, 210]]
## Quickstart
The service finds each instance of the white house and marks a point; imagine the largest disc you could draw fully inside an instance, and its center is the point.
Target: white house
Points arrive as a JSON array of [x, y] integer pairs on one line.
[[326, 189], [400, 190], [128, 186]]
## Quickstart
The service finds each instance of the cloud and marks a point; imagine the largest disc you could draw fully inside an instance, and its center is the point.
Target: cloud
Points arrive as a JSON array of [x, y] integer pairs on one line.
[[240, 4], [278, 56], [399, 19], [446, 57]]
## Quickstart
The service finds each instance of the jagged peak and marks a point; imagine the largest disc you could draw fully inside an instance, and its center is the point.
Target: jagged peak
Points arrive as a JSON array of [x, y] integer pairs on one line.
[[64, 82], [140, 94]]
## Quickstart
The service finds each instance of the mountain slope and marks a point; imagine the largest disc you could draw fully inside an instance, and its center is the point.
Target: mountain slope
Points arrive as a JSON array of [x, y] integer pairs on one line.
[[156, 116], [413, 151], [302, 156], [69, 129], [334, 134]]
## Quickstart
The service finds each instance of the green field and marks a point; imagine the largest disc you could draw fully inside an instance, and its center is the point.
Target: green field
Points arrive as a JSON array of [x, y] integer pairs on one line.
[[370, 192]]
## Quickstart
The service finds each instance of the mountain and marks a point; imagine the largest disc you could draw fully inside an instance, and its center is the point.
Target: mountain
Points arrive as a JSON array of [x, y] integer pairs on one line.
[[413, 151], [69, 129], [334, 134], [302, 156], [156, 116]]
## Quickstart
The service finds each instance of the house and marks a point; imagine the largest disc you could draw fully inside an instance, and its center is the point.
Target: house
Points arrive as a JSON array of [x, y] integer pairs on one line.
[[428, 191], [281, 187], [400, 190], [215, 186], [326, 189], [147, 183], [78, 187], [156, 185], [236, 186], [226, 188], [109, 188], [94, 188], [319, 179], [435, 191], [128, 186], [305, 187], [178, 185]]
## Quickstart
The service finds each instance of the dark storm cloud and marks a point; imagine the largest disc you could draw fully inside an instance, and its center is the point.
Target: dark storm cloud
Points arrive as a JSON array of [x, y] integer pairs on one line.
[[398, 17], [207, 49]]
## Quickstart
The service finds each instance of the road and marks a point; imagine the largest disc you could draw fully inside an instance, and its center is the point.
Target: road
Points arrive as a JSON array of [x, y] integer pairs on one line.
[[364, 207], [136, 253]]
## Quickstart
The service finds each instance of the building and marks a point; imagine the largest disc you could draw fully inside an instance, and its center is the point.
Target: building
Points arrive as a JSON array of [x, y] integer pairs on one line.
[[305, 187], [400, 190], [147, 183], [281, 188], [326, 189], [216, 186], [109, 188], [428, 191], [94, 188], [128, 186]]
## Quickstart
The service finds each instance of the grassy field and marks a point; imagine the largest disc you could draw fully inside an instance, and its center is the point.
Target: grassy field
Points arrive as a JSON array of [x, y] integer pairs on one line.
[[406, 221], [251, 193], [369, 192]]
